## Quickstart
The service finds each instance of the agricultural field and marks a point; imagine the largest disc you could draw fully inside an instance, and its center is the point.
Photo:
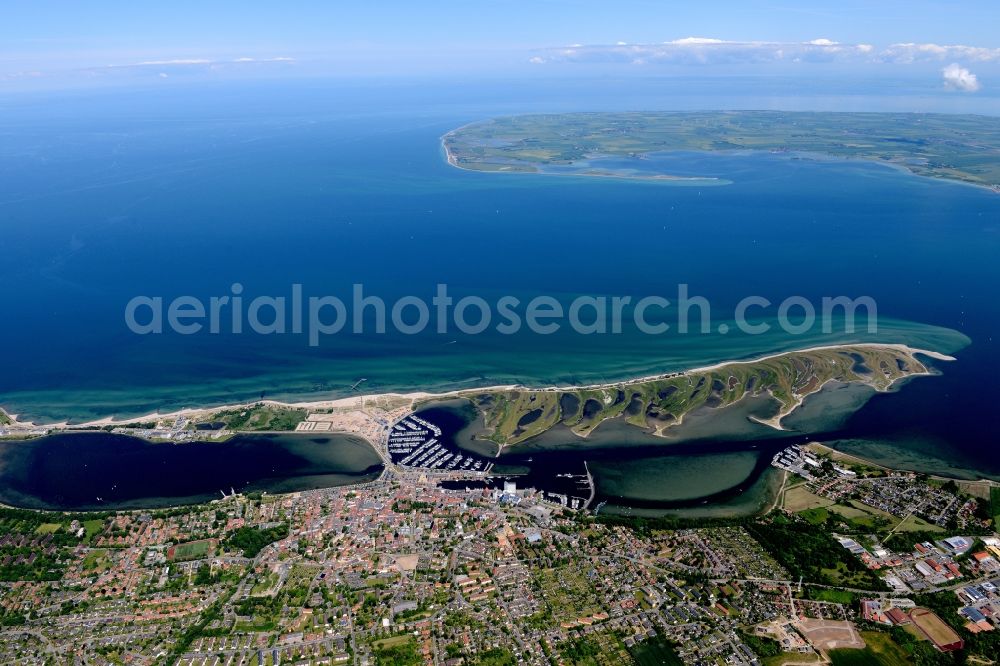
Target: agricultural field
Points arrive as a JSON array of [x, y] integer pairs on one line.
[[954, 147], [798, 499]]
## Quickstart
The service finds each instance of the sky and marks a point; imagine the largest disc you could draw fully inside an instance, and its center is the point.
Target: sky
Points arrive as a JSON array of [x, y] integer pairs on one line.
[[68, 42]]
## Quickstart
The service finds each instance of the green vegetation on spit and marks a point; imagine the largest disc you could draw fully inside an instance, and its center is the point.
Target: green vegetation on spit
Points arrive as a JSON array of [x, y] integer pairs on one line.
[[956, 147], [260, 416], [514, 415]]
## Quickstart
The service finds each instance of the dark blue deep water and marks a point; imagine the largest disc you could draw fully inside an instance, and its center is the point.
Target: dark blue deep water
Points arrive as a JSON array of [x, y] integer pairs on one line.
[[113, 195], [101, 471]]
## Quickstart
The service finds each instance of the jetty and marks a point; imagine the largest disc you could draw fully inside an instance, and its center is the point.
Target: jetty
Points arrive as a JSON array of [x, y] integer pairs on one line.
[[593, 486]]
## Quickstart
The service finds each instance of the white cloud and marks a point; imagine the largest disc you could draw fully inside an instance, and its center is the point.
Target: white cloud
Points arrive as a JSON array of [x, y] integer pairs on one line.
[[696, 40], [959, 78], [711, 51], [909, 53], [202, 62], [706, 51], [157, 63]]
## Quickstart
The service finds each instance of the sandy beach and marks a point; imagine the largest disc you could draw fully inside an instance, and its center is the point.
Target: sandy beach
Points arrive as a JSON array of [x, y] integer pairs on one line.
[[358, 401]]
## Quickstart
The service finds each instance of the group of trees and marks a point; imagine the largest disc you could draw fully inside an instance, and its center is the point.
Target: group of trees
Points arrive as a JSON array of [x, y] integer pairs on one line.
[[252, 540], [809, 552]]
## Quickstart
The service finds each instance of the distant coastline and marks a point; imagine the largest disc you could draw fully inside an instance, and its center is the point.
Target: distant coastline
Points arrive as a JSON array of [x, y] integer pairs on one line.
[[927, 145], [658, 177]]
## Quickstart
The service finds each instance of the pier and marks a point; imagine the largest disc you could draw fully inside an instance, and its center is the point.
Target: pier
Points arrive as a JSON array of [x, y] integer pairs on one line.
[[593, 486]]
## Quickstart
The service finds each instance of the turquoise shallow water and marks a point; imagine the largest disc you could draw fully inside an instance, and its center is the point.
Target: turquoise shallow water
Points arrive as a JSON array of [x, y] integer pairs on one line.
[[181, 196]]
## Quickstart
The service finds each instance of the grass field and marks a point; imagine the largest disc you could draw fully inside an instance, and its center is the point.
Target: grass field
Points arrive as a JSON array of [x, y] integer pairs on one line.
[[978, 489], [261, 417], [880, 650], [816, 516], [861, 516], [818, 510], [800, 499], [915, 524], [193, 550], [392, 641], [96, 560], [791, 658], [833, 596], [93, 528], [47, 528]]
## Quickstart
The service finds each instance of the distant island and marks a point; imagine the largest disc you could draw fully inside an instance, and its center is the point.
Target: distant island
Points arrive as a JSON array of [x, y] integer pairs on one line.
[[963, 148]]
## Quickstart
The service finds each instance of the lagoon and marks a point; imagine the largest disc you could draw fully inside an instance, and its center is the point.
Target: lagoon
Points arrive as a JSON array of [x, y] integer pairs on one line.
[[102, 471]]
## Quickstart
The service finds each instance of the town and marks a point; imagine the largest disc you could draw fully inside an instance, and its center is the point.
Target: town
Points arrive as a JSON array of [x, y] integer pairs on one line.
[[403, 571]]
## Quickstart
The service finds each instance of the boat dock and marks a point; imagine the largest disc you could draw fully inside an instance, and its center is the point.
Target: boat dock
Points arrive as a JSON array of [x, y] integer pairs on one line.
[[415, 443]]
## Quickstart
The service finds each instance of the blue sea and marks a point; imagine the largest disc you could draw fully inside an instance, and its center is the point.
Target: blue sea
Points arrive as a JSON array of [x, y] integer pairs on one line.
[[184, 191]]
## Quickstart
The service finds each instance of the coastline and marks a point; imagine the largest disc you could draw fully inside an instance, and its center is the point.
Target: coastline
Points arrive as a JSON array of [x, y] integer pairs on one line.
[[406, 402], [416, 397], [708, 180], [837, 454]]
